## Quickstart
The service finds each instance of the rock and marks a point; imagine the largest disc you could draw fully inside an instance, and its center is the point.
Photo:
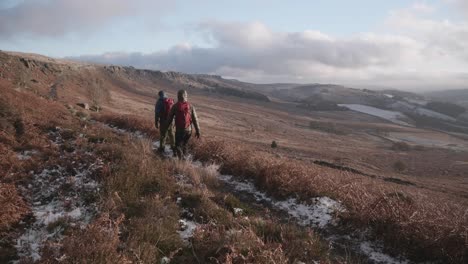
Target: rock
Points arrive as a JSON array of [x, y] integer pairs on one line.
[[95, 108], [25, 62], [83, 105]]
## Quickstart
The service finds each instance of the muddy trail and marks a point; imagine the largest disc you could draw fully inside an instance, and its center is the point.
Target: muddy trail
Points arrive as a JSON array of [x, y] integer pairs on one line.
[[319, 213]]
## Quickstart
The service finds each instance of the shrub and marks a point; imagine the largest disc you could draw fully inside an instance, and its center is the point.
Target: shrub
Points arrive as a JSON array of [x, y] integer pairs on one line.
[[399, 166], [274, 144], [19, 127], [13, 206]]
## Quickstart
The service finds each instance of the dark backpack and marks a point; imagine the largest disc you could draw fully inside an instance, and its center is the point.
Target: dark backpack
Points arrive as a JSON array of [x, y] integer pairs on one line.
[[183, 115], [168, 103]]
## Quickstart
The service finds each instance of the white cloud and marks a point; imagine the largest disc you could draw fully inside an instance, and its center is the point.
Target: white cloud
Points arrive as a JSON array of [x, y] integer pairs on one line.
[[419, 52], [59, 17], [441, 37], [460, 5]]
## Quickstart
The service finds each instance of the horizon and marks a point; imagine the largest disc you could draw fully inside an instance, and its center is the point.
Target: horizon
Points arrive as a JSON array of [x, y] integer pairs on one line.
[[414, 46]]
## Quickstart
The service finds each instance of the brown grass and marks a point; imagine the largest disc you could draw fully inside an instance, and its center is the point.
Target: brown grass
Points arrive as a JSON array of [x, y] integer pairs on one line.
[[130, 122], [401, 146], [233, 238], [235, 246], [421, 224], [139, 214], [13, 206], [98, 243]]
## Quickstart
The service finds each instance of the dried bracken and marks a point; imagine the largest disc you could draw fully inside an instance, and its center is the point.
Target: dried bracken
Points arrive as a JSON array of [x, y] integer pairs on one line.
[[13, 206], [421, 224]]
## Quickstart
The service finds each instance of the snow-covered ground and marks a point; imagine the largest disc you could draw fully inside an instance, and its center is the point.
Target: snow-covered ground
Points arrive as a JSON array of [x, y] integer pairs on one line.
[[136, 134], [187, 227], [59, 197], [392, 116], [26, 154], [375, 254], [318, 213]]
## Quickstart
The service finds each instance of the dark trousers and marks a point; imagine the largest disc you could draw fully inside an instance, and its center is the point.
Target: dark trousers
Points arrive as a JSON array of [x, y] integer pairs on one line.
[[182, 137]]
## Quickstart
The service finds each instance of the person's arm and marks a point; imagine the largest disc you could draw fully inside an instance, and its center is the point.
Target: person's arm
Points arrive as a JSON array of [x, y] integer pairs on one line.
[[157, 112], [156, 115], [195, 122]]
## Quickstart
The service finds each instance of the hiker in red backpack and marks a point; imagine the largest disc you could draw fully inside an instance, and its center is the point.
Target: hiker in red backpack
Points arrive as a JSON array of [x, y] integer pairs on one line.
[[185, 115], [161, 115]]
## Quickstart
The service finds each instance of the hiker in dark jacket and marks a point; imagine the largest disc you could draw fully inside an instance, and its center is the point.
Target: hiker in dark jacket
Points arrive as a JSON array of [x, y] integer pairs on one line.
[[161, 114], [185, 116]]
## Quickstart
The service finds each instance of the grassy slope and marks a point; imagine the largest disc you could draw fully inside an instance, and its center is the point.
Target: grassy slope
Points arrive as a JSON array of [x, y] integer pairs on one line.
[[422, 223]]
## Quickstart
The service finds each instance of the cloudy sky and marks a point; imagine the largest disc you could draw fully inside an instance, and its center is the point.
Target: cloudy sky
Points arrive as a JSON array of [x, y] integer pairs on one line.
[[417, 45]]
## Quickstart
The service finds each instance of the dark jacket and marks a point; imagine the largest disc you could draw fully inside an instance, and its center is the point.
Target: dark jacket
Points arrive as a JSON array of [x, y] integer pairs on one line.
[[158, 110]]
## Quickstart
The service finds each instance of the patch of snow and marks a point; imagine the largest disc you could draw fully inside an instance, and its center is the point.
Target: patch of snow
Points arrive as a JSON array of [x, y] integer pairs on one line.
[[187, 227], [75, 214], [58, 193], [168, 153], [165, 260], [183, 180], [195, 163], [392, 116], [389, 95], [245, 186], [136, 134], [318, 213], [27, 154], [238, 211], [377, 256]]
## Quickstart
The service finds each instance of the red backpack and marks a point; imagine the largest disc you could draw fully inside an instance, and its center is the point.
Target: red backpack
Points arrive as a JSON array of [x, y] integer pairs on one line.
[[168, 103], [183, 116]]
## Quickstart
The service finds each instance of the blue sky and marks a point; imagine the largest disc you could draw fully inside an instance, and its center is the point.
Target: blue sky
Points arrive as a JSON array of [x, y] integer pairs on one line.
[[359, 42]]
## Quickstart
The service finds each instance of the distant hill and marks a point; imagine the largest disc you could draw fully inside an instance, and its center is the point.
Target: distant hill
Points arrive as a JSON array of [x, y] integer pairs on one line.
[[454, 96], [404, 94], [315, 94], [36, 70]]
